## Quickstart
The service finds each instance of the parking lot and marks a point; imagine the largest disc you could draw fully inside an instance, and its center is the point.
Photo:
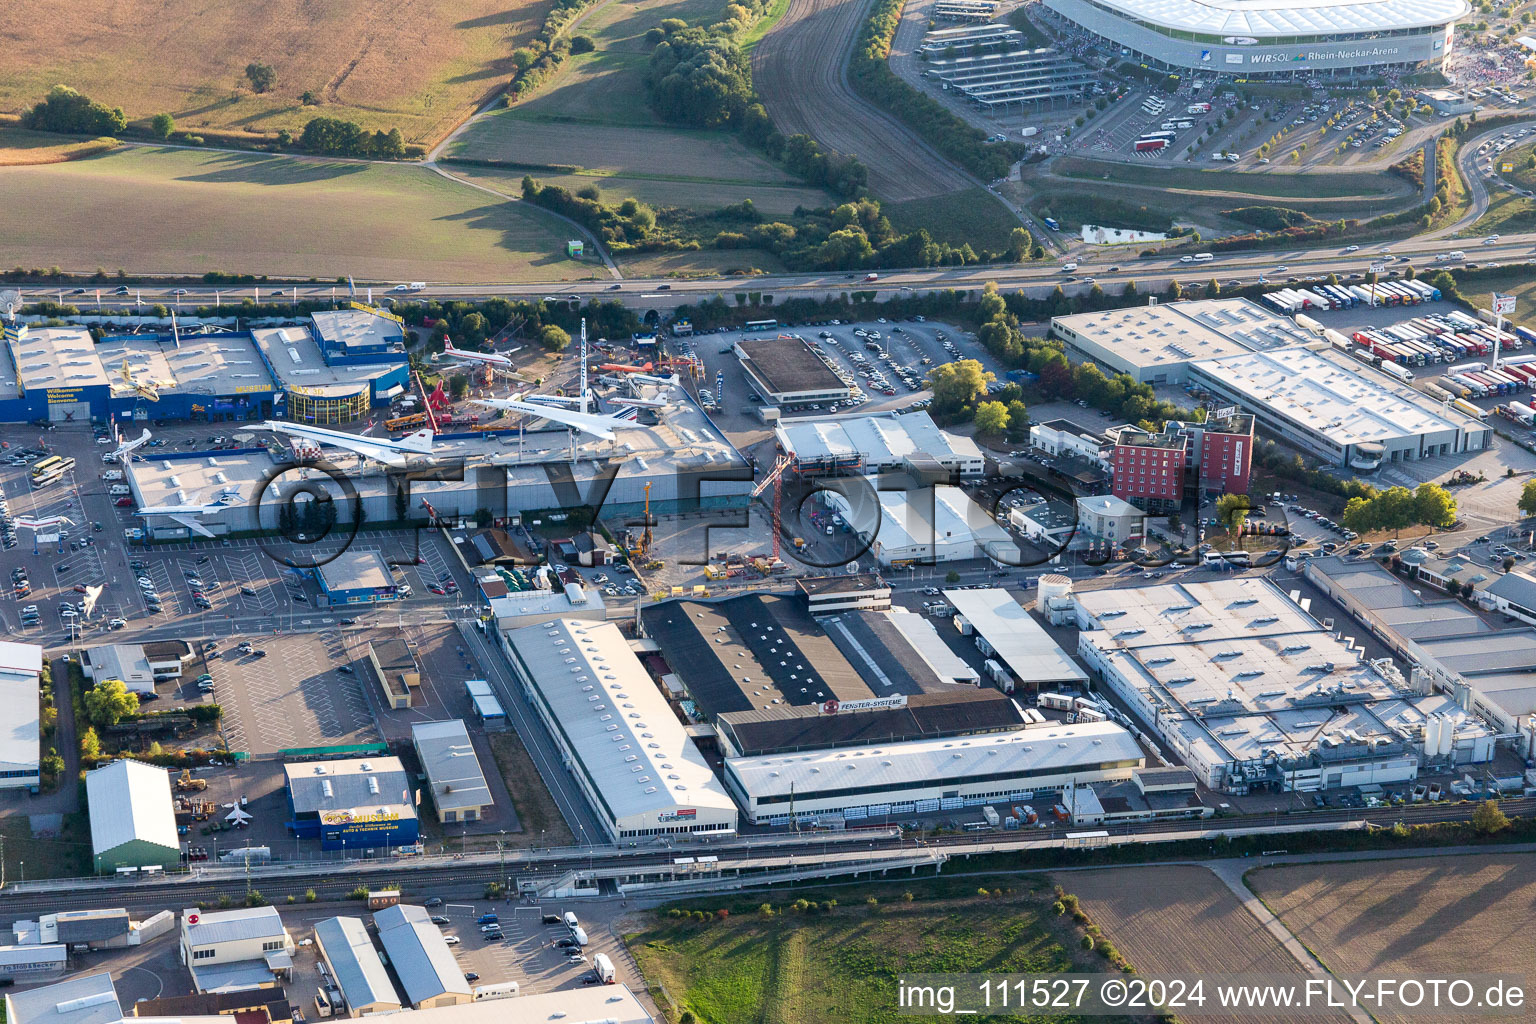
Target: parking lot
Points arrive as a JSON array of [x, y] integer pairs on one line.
[[526, 953]]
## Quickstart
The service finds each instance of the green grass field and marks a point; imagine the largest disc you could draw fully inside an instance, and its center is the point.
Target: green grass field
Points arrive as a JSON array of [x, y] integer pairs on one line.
[[809, 967], [1272, 185], [591, 125], [165, 211], [972, 216]]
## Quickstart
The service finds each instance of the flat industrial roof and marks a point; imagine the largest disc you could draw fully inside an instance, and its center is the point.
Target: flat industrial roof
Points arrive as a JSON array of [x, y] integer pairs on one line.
[[185, 480], [876, 439], [1176, 333], [294, 356], [631, 744], [49, 358], [965, 711], [1265, 18], [453, 770], [202, 364], [131, 800], [20, 665], [345, 785], [83, 999], [355, 569], [788, 365], [920, 762], [356, 328], [1020, 642], [590, 1004], [1337, 396], [914, 519]]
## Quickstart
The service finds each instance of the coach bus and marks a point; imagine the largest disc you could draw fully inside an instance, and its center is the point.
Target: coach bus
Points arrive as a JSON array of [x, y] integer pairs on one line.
[[762, 325], [51, 473], [44, 467]]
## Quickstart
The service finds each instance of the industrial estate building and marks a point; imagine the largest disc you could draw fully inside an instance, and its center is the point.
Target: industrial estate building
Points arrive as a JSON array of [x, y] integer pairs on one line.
[[1006, 632], [1338, 410], [21, 666], [235, 949], [356, 576], [458, 787], [354, 964], [876, 444], [352, 804], [1245, 39], [787, 371], [426, 967], [633, 759], [133, 822], [139, 666], [1253, 693]]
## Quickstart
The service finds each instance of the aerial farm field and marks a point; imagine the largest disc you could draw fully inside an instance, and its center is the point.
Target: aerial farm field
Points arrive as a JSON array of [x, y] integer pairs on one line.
[[1435, 917], [418, 65], [1180, 921], [19, 147], [171, 211], [804, 966]]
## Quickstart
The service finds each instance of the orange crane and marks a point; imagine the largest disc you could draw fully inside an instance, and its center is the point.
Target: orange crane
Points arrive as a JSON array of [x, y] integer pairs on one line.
[[775, 477]]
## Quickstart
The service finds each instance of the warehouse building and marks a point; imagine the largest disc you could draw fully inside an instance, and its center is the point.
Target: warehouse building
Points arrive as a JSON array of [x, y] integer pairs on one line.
[[1271, 39], [425, 965], [59, 376], [139, 666], [341, 366], [1338, 410], [787, 371], [133, 821], [356, 576], [1156, 344], [394, 663], [30, 964], [83, 999], [876, 444], [459, 790], [636, 764], [346, 948], [1254, 694], [1007, 633], [1450, 648], [235, 949], [927, 525], [351, 805], [923, 776], [769, 677], [21, 666]]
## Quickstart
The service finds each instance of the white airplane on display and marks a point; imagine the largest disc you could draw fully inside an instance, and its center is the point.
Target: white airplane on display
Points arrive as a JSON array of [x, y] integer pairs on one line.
[[489, 358], [127, 448], [391, 453], [187, 515], [585, 422]]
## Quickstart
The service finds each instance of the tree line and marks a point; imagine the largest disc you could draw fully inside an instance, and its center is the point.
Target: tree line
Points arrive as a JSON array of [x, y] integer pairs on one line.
[[67, 111]]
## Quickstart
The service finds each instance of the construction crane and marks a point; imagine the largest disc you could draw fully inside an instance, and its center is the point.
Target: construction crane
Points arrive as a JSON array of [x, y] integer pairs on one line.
[[775, 477], [646, 538]]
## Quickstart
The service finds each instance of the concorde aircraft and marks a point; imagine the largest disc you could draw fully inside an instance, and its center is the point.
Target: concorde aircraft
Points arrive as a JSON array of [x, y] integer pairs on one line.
[[391, 453], [587, 423], [187, 515]]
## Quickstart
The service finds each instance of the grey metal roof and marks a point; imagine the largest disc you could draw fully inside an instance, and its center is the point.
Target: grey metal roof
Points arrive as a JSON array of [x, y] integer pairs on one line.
[[422, 960], [448, 758], [87, 999], [354, 962], [130, 800], [91, 925], [1516, 588], [348, 785], [232, 925]]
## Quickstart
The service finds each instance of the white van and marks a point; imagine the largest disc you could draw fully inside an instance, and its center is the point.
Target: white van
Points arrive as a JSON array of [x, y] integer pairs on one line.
[[1203, 257], [1069, 267], [570, 920], [119, 490]]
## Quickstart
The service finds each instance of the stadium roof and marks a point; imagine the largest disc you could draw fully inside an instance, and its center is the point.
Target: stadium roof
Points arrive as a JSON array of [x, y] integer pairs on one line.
[[919, 762], [130, 800], [1021, 643], [356, 964], [612, 714], [453, 770], [422, 960], [1264, 18]]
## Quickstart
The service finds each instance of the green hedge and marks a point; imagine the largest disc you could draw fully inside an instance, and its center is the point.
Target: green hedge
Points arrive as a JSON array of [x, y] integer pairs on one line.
[[873, 79]]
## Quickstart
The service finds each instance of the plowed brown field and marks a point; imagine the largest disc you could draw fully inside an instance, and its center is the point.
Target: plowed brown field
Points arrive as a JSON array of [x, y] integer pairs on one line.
[[799, 70], [1181, 921], [1435, 917]]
